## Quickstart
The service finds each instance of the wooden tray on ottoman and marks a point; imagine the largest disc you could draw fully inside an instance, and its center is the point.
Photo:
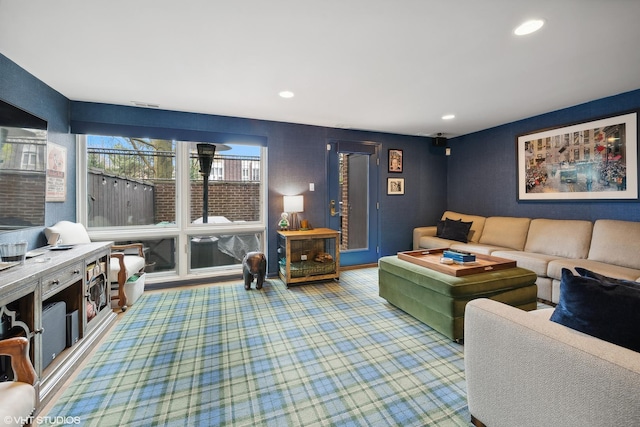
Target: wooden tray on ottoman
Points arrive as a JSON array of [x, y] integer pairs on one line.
[[430, 258]]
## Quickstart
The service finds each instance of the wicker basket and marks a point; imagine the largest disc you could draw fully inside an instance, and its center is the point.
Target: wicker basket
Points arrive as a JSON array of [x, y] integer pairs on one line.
[[310, 268]]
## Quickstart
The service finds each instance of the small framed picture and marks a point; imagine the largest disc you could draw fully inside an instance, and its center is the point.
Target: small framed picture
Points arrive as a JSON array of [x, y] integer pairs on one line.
[[395, 161], [395, 186]]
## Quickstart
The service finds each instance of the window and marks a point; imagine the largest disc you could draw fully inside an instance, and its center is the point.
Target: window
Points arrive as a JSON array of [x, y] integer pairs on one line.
[[152, 191], [255, 171], [232, 195], [130, 181], [29, 157], [217, 170], [250, 170]]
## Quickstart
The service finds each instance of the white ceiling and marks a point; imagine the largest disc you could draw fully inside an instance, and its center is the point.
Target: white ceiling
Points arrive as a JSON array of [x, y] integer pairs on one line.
[[385, 65]]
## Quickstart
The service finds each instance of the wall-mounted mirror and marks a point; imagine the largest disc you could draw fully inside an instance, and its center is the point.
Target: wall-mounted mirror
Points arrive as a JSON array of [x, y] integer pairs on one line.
[[23, 151]]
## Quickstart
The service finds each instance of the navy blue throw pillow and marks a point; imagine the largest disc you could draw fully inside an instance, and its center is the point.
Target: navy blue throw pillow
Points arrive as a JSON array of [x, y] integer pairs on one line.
[[600, 308], [606, 279], [456, 230]]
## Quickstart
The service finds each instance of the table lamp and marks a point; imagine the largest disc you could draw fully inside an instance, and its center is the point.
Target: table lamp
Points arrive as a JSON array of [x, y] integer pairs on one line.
[[293, 205]]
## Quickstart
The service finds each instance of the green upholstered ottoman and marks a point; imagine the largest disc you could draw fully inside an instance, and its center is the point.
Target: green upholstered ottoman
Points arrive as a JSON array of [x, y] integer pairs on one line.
[[439, 299]]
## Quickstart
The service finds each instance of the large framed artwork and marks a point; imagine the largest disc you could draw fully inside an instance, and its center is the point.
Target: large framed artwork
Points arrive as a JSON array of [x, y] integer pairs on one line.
[[591, 160]]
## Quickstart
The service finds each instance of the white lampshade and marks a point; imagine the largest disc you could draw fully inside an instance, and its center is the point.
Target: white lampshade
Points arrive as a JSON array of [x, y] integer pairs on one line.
[[293, 204]]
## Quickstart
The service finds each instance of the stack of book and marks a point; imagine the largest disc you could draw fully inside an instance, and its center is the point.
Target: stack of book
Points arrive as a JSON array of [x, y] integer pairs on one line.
[[459, 257]]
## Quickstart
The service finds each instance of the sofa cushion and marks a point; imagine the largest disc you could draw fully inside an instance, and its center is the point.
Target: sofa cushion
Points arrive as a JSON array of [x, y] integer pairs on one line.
[[616, 242], [455, 230], [132, 264], [509, 232], [537, 263], [561, 238], [432, 242], [555, 268], [600, 308], [476, 227], [477, 248], [554, 271]]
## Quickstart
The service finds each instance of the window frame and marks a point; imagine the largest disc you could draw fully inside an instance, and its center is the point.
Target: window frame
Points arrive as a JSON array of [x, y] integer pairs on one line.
[[183, 230]]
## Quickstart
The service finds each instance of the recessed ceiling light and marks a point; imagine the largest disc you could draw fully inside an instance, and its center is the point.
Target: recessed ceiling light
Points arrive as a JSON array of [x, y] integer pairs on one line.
[[528, 27], [286, 94], [448, 116]]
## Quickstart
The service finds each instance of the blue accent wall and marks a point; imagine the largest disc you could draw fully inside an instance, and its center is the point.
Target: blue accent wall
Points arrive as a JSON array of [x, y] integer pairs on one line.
[[482, 173], [479, 177], [23, 90]]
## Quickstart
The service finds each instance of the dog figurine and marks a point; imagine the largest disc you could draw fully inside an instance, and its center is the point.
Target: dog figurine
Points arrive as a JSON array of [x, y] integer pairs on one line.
[[254, 264]]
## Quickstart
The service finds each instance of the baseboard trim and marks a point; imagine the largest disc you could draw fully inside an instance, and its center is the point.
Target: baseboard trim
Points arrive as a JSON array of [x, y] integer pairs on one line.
[[355, 267]]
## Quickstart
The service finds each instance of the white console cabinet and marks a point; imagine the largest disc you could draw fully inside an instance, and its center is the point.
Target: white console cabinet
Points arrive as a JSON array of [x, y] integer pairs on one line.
[[75, 278]]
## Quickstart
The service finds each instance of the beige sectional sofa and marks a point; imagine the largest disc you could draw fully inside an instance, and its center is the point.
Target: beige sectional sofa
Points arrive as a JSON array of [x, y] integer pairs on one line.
[[510, 355], [545, 246]]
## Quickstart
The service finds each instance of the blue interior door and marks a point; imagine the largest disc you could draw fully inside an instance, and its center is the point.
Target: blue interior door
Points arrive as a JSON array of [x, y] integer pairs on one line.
[[352, 176]]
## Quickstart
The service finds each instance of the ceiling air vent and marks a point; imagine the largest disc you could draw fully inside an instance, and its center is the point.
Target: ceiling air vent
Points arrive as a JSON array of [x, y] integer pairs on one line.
[[145, 104]]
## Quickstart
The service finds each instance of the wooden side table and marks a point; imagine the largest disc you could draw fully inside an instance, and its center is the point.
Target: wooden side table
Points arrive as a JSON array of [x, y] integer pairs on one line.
[[308, 255]]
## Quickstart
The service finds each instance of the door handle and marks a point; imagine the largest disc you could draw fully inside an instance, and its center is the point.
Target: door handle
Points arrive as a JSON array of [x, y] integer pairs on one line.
[[332, 208]]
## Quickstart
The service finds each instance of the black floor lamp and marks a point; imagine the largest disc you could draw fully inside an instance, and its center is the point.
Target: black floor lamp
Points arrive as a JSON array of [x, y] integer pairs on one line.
[[205, 158]]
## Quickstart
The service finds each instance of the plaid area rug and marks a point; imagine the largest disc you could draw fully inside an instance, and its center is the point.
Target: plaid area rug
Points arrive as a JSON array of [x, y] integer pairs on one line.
[[325, 354]]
